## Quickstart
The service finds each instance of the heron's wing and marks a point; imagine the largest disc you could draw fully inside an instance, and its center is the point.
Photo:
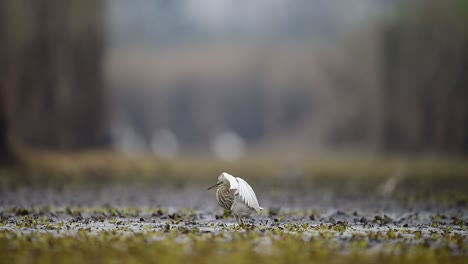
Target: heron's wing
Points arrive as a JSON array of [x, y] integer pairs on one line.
[[247, 194], [234, 185]]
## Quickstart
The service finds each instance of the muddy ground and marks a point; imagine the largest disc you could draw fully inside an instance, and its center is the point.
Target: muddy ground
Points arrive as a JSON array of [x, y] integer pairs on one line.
[[339, 223]]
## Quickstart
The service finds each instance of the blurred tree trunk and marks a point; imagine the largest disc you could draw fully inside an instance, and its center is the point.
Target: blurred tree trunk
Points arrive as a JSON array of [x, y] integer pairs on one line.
[[6, 153], [387, 131], [53, 77], [425, 86]]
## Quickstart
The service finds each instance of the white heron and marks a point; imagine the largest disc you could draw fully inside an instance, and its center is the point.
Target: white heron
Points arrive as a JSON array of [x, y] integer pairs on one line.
[[236, 195]]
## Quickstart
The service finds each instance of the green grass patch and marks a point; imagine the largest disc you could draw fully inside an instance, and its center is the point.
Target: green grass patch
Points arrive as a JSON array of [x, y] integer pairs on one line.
[[441, 178], [183, 247]]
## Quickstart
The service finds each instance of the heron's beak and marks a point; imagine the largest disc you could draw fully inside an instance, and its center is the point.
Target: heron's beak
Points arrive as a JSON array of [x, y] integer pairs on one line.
[[215, 185]]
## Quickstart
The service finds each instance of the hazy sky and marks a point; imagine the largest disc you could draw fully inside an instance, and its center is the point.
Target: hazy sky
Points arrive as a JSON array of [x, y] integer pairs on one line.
[[156, 21]]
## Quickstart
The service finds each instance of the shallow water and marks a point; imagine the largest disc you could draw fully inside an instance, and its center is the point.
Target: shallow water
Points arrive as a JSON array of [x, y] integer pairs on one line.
[[139, 209]]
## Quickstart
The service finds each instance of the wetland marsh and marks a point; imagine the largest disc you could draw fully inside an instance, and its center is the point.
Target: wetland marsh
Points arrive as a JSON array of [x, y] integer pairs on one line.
[[126, 219]]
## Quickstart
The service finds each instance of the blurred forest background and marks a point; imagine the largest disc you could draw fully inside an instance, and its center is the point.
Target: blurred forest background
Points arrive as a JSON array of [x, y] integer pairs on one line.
[[227, 78]]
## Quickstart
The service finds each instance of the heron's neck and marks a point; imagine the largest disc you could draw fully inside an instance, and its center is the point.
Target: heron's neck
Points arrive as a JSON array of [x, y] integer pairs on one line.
[[224, 187]]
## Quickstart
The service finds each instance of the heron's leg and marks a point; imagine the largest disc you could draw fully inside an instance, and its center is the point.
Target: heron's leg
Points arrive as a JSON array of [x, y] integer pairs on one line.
[[235, 217], [241, 222], [238, 219]]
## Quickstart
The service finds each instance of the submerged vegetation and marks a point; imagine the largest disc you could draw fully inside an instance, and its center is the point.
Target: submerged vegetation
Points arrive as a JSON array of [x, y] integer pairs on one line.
[[102, 207], [158, 235]]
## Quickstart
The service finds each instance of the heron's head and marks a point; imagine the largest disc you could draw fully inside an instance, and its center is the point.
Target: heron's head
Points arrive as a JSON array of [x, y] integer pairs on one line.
[[221, 180]]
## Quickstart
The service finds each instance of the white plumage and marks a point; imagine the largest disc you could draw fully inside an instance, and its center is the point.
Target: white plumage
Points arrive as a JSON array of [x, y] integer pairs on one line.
[[235, 194]]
